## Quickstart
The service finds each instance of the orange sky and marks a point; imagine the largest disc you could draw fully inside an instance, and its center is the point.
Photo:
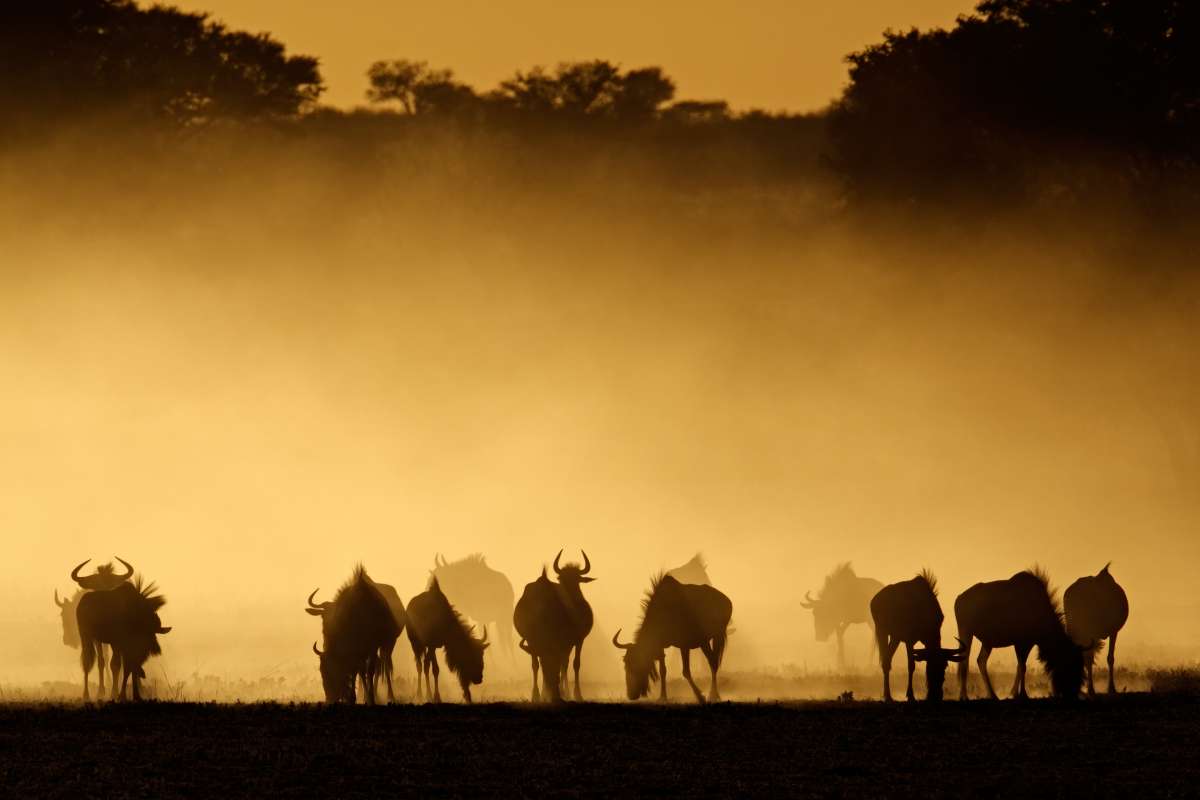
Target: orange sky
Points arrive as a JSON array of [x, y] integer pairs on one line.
[[773, 54]]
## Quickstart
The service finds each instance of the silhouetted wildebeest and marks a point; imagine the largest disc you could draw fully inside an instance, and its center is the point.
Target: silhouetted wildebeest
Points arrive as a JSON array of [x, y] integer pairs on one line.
[[126, 618], [843, 601], [579, 613], [1020, 612], [695, 571], [433, 623], [1096, 609], [547, 633], [479, 592], [104, 578], [908, 612], [360, 632], [679, 615]]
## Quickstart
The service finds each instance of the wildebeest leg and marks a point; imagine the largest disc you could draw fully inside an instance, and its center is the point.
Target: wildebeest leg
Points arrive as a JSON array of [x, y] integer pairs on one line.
[[912, 665], [536, 696], [964, 666], [417, 656], [137, 686], [714, 663], [1019, 680], [578, 651], [984, 653], [662, 673], [841, 655], [385, 666], [102, 657], [117, 686], [87, 658], [685, 656], [1112, 669], [437, 688]]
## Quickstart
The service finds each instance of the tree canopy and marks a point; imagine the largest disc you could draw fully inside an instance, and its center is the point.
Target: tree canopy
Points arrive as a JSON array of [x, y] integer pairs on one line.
[[70, 58], [1017, 93]]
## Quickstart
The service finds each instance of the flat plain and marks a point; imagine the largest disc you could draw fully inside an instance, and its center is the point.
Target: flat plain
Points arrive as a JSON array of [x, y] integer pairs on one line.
[[1135, 744]]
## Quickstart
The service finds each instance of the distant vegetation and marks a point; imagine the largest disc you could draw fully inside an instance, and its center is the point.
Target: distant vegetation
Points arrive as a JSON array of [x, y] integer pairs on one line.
[[1023, 103]]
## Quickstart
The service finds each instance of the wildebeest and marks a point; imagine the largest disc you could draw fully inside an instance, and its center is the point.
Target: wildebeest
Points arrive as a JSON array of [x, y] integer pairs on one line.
[[360, 632], [695, 571], [547, 633], [1096, 609], [579, 613], [433, 623], [843, 601], [908, 612], [1020, 612], [104, 578], [679, 615], [126, 618], [479, 592]]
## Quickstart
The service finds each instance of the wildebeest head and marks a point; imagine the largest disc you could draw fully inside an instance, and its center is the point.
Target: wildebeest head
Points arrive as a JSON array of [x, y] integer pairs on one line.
[[467, 661], [337, 678], [936, 659], [104, 578], [571, 574], [639, 666], [70, 626], [824, 617]]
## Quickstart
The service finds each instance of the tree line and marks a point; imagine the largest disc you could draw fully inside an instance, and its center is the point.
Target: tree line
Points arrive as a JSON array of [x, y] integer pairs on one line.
[[1018, 101]]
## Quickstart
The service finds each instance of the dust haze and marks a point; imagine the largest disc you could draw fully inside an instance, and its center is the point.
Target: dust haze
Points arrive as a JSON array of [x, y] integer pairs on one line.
[[247, 367]]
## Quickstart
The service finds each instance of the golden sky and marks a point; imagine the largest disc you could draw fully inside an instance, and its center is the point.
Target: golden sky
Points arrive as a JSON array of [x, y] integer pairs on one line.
[[772, 54]]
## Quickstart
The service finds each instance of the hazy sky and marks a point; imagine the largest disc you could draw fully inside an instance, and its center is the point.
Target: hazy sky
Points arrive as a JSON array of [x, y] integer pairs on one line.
[[773, 54]]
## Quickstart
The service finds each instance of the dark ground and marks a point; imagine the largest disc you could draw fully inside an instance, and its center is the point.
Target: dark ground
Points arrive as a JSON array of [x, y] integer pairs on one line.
[[1133, 745]]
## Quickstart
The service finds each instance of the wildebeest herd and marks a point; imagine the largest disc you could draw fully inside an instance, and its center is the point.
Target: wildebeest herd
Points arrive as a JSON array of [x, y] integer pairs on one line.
[[114, 618]]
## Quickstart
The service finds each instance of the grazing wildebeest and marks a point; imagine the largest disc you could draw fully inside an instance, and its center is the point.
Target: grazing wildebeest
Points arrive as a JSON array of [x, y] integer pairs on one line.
[[360, 632], [433, 623], [479, 592], [579, 613], [547, 633], [126, 618], [679, 615], [908, 612], [695, 571], [843, 601], [1096, 609], [1019, 612], [104, 578]]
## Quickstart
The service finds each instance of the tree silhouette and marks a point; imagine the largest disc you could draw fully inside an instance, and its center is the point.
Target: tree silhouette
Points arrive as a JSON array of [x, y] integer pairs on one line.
[[1014, 97], [77, 57], [418, 89]]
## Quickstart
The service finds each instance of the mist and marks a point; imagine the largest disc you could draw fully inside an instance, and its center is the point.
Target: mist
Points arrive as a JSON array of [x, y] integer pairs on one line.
[[248, 367]]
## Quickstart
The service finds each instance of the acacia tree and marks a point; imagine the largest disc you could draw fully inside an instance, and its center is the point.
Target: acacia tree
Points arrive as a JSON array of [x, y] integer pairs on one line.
[[417, 88]]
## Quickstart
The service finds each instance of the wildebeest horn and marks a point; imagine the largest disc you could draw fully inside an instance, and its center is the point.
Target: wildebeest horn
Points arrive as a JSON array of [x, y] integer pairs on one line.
[[57, 602], [587, 565], [483, 638], [311, 604], [557, 571], [315, 650], [617, 643], [1105, 570], [75, 572], [807, 602], [128, 569]]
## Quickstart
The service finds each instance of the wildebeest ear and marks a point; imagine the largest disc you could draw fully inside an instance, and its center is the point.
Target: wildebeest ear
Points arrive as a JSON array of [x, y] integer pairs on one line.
[[954, 655], [484, 646], [316, 612], [162, 631], [919, 654], [586, 579]]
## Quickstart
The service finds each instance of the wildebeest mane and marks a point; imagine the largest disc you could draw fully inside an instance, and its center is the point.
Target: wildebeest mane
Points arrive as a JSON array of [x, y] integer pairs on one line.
[[840, 573], [1043, 578], [930, 580], [655, 581], [148, 599]]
